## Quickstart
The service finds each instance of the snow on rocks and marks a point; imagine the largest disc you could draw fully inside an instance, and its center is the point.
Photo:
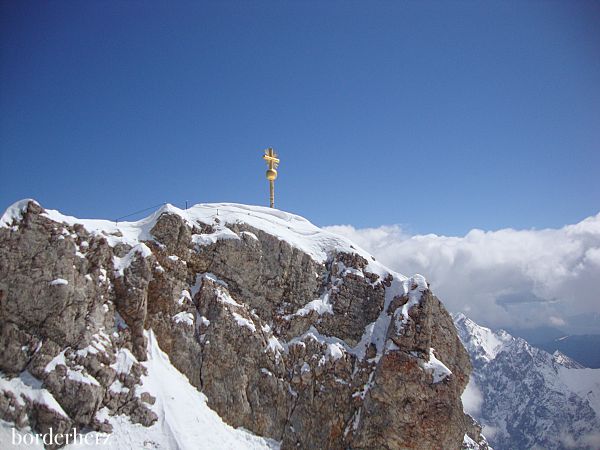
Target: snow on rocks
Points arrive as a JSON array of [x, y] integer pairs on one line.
[[249, 234], [437, 368], [376, 332], [15, 212], [244, 322], [124, 361], [59, 282], [224, 297], [56, 361], [274, 346], [320, 305], [469, 444], [26, 386], [414, 287], [100, 343], [335, 350], [510, 376], [204, 321], [118, 387], [185, 421], [221, 232], [296, 230], [483, 343], [200, 279], [123, 263], [186, 318], [79, 376], [76, 374], [185, 297]]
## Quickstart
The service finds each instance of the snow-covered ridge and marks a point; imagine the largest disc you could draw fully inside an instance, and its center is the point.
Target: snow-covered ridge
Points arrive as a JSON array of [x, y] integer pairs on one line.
[[14, 213], [294, 229], [482, 341]]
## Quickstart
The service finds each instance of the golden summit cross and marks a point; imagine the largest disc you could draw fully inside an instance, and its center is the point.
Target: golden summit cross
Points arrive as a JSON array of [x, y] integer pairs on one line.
[[271, 158]]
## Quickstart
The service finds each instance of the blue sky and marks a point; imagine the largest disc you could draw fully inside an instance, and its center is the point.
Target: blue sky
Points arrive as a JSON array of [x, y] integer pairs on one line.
[[440, 117]]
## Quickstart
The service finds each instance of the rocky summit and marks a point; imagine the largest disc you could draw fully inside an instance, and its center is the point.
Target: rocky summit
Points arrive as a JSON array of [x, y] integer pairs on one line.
[[293, 336]]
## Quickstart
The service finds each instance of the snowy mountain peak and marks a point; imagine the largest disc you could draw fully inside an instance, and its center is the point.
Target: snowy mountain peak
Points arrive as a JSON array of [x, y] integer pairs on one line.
[[525, 397], [482, 343], [563, 360]]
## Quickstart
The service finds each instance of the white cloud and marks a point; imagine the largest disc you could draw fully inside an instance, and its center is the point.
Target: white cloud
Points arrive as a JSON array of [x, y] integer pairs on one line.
[[557, 321], [501, 278], [472, 398], [489, 431]]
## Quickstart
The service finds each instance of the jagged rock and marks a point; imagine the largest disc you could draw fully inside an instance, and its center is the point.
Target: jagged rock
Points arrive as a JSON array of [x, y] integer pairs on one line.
[[80, 399], [474, 440], [396, 403], [56, 297], [290, 332], [131, 296]]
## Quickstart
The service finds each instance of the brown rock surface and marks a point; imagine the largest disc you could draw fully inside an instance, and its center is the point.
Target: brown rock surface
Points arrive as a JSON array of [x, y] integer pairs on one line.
[[315, 354]]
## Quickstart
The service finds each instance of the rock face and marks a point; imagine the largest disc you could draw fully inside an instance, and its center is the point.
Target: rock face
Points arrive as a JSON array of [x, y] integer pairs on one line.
[[291, 332], [528, 397]]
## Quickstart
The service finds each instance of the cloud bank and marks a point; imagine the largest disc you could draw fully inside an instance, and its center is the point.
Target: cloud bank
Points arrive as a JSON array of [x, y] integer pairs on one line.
[[472, 398], [504, 278]]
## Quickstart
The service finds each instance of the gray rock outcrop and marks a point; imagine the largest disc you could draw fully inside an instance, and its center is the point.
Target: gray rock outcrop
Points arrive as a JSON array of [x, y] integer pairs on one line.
[[315, 354]]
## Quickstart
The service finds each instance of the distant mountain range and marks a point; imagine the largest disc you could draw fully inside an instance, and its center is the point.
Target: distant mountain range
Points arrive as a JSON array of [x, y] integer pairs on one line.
[[583, 348], [525, 397]]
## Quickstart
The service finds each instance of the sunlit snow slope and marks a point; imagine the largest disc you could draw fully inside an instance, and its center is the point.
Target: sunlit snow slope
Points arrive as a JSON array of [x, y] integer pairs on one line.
[[185, 421]]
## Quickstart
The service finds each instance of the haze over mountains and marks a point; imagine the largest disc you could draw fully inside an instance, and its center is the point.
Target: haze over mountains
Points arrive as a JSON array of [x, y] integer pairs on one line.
[[583, 348]]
